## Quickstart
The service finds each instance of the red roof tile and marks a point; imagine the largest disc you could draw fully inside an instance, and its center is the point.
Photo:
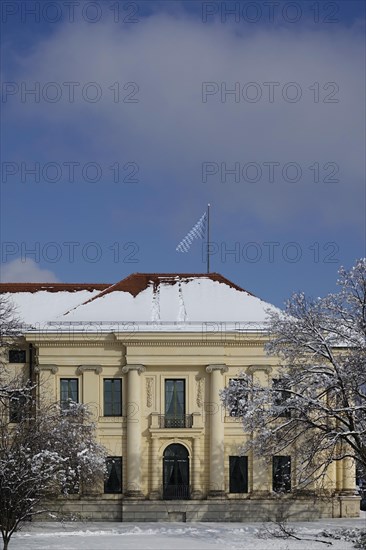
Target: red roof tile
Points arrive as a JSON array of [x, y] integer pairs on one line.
[[50, 287], [137, 282], [134, 284]]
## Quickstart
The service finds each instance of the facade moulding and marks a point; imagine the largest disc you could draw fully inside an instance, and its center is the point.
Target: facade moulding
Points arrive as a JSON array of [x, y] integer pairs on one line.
[[184, 434]]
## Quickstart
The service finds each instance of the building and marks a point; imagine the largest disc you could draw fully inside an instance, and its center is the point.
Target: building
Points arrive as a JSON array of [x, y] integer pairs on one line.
[[150, 355]]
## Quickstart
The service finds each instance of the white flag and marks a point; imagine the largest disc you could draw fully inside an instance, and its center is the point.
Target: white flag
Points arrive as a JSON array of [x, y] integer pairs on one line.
[[197, 232]]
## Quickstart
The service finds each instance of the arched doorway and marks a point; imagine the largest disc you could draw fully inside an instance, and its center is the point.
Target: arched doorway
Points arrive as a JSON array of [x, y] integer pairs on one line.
[[176, 472]]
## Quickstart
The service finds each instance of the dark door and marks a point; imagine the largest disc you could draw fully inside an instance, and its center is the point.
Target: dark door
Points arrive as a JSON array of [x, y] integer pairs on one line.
[[176, 472]]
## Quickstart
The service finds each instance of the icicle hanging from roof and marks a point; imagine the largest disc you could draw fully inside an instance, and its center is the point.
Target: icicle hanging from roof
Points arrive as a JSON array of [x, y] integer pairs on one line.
[[182, 313]]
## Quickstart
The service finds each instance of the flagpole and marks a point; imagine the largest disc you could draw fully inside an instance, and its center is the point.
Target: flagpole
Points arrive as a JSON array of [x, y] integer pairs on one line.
[[208, 238]]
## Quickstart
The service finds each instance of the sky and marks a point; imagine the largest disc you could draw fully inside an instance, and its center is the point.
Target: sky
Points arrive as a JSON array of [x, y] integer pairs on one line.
[[121, 121]]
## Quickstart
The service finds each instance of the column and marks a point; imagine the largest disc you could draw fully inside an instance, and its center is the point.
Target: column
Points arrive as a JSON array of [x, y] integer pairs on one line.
[[196, 469], [217, 476], [156, 468], [261, 470], [348, 500], [349, 476], [133, 485]]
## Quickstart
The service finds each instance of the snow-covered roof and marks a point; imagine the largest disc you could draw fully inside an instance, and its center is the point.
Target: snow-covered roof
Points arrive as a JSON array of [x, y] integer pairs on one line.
[[153, 301]]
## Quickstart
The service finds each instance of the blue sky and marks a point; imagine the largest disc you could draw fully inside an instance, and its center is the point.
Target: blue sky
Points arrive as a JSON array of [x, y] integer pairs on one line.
[[142, 117]]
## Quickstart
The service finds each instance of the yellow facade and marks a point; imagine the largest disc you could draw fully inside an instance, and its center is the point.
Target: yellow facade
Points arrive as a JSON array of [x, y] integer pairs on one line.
[[143, 362], [150, 364]]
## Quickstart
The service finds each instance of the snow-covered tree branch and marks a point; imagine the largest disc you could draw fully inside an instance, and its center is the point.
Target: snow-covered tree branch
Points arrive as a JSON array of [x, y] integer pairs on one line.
[[45, 450], [317, 403]]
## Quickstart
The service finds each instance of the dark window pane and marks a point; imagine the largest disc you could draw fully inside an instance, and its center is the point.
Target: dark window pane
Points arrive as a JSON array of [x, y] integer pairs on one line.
[[239, 396], [17, 356], [17, 406], [112, 397], [69, 391], [280, 397], [238, 466], [113, 479], [281, 473], [175, 399]]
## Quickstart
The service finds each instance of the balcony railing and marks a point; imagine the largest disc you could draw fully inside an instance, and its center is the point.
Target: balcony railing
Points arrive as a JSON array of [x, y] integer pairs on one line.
[[176, 492], [182, 421]]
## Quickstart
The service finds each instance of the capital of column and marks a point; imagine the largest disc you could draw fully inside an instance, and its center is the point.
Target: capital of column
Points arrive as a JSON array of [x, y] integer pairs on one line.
[[98, 369], [264, 368], [40, 368], [127, 368], [221, 368]]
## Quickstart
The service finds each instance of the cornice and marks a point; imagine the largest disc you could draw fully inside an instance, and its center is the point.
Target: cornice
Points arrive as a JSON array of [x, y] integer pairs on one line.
[[191, 343], [149, 343], [188, 338], [75, 344]]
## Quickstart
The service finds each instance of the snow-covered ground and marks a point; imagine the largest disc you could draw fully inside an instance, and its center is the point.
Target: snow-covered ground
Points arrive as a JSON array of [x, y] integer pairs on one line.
[[178, 536]]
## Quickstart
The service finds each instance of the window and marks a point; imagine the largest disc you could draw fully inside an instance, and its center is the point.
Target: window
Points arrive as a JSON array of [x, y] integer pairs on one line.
[[238, 396], [113, 479], [238, 471], [17, 402], [112, 396], [69, 392], [175, 403], [280, 397], [17, 356], [281, 474]]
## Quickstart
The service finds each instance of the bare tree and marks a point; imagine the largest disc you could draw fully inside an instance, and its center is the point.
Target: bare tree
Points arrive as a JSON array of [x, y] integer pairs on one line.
[[10, 324], [317, 403], [44, 449]]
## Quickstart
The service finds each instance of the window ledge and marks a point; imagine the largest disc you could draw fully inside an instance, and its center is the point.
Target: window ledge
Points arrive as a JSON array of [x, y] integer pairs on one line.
[[112, 419], [233, 420]]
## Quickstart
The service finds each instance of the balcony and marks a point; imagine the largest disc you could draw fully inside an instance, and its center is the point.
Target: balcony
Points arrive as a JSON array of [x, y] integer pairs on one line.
[[160, 422], [175, 422]]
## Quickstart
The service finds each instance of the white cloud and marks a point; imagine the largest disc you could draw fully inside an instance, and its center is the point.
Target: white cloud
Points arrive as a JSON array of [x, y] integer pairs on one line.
[[170, 131], [28, 271]]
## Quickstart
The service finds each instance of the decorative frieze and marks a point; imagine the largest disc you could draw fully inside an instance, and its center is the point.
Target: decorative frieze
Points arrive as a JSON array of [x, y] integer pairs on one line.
[[199, 397], [54, 343], [149, 392], [193, 343]]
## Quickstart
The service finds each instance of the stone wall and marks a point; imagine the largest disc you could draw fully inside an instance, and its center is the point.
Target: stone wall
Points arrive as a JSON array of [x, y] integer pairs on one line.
[[246, 510]]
